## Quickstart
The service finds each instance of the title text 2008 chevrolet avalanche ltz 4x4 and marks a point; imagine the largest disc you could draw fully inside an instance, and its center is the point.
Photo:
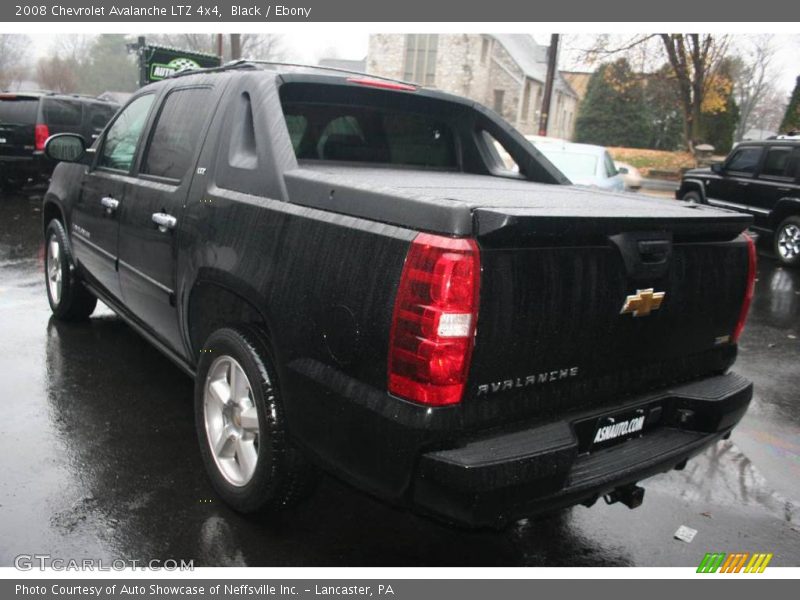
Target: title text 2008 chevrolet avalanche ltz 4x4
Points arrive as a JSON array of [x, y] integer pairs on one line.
[[357, 283]]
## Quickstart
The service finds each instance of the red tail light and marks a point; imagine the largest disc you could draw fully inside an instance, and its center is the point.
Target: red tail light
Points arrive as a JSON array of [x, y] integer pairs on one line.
[[435, 314], [751, 284], [385, 84], [40, 135]]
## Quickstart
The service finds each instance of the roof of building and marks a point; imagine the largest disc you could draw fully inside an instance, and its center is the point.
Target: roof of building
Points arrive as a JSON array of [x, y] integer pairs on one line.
[[531, 58], [578, 81], [344, 64]]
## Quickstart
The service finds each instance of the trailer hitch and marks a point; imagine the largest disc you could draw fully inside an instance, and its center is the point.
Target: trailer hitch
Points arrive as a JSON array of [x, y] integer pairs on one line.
[[631, 496]]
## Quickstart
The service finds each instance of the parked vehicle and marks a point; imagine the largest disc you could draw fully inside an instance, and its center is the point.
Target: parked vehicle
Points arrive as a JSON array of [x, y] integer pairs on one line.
[[631, 176], [761, 179], [583, 164], [356, 282], [27, 119]]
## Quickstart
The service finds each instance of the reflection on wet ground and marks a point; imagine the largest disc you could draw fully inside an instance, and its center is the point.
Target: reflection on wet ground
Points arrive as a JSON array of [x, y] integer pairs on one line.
[[99, 459]]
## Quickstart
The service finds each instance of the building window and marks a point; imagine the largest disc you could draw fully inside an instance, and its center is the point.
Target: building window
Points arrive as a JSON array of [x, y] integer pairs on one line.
[[420, 61], [498, 101], [484, 50]]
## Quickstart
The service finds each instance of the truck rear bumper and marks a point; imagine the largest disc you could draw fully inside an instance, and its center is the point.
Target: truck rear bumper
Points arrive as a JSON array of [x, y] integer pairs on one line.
[[513, 474]]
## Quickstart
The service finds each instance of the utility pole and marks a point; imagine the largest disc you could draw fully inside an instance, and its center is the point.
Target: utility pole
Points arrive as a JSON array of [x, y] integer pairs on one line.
[[219, 47], [236, 46], [552, 65]]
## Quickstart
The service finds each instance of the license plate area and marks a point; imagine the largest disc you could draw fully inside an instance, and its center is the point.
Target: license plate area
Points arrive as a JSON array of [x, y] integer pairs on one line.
[[610, 429]]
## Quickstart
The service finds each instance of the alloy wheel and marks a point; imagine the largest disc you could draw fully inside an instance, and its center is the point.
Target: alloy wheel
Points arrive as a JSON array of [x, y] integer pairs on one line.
[[231, 421]]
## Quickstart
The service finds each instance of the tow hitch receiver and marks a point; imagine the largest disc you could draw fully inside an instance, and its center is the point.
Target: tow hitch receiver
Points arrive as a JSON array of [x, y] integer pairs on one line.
[[631, 496]]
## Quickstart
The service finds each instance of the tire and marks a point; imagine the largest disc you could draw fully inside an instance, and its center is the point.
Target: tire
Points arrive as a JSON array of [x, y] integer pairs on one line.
[[69, 299], [247, 453], [786, 241], [693, 197]]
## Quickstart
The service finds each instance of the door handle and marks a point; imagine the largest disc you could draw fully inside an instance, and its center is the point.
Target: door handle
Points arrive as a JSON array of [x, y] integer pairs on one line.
[[164, 221], [743, 183], [111, 204]]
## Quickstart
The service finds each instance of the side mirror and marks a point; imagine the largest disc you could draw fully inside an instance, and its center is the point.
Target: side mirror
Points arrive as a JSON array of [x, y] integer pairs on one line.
[[717, 168], [66, 147], [622, 170]]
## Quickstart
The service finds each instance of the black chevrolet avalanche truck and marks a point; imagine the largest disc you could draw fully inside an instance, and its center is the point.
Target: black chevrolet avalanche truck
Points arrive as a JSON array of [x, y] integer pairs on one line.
[[358, 283]]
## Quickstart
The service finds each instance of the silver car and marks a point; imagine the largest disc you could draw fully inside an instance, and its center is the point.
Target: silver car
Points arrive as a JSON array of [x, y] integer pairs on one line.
[[583, 164]]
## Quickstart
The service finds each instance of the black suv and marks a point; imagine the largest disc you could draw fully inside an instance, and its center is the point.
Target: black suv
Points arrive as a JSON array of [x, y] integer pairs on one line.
[[27, 119], [761, 179]]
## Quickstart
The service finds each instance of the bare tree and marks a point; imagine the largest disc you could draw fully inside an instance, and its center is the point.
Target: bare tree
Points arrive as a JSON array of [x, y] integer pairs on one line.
[[753, 81], [75, 47], [58, 74], [695, 60], [195, 42], [13, 58], [261, 46]]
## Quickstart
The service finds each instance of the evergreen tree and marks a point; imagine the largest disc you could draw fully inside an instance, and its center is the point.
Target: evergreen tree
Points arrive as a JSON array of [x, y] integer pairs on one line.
[[718, 128], [108, 66], [613, 113], [720, 113], [791, 120], [664, 114]]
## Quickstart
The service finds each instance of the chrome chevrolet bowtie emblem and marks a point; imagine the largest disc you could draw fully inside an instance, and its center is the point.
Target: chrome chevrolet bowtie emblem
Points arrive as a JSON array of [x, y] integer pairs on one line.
[[642, 303]]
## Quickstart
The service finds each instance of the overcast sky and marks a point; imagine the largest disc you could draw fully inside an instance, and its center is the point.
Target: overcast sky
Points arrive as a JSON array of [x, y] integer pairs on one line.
[[310, 47]]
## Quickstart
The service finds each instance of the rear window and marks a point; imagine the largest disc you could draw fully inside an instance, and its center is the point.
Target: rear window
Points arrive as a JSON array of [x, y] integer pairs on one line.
[[66, 113], [369, 135], [100, 114], [572, 164], [18, 111]]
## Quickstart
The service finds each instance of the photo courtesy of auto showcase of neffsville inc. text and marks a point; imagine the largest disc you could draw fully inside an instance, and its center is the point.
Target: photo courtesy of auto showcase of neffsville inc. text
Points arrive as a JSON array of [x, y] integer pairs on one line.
[[486, 298]]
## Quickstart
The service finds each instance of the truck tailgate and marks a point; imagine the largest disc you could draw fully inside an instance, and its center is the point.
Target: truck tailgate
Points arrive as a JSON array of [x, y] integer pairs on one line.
[[581, 310]]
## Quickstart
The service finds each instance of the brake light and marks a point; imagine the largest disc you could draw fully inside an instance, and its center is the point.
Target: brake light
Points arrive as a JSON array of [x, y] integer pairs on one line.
[[382, 83], [435, 313], [751, 284], [40, 135]]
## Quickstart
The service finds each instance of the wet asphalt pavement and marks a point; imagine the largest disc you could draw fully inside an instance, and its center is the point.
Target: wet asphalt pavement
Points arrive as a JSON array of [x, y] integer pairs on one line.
[[98, 459]]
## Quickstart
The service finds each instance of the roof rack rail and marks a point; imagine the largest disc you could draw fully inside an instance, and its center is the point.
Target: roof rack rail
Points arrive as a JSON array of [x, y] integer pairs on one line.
[[253, 63]]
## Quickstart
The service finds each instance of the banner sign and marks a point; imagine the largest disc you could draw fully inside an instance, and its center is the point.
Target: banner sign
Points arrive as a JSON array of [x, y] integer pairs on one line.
[[162, 61]]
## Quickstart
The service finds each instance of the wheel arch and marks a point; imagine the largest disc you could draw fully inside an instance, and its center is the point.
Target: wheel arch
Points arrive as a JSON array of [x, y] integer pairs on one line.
[[693, 185], [218, 299], [52, 209], [785, 207]]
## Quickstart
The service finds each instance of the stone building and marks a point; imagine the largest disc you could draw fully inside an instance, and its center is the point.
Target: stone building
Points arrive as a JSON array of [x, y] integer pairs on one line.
[[505, 72]]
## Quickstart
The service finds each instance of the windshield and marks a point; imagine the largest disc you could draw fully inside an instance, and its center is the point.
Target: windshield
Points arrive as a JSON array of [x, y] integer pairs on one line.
[[572, 164], [18, 111]]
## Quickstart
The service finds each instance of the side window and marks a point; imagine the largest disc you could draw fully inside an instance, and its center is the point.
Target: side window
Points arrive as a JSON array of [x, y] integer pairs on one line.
[[611, 168], [777, 163], [297, 125], [99, 115], [793, 165], [500, 158], [176, 132], [744, 160], [63, 113], [119, 146]]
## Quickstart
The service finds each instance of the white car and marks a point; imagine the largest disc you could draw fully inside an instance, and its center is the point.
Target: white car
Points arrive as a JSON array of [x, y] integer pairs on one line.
[[583, 164], [630, 175]]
